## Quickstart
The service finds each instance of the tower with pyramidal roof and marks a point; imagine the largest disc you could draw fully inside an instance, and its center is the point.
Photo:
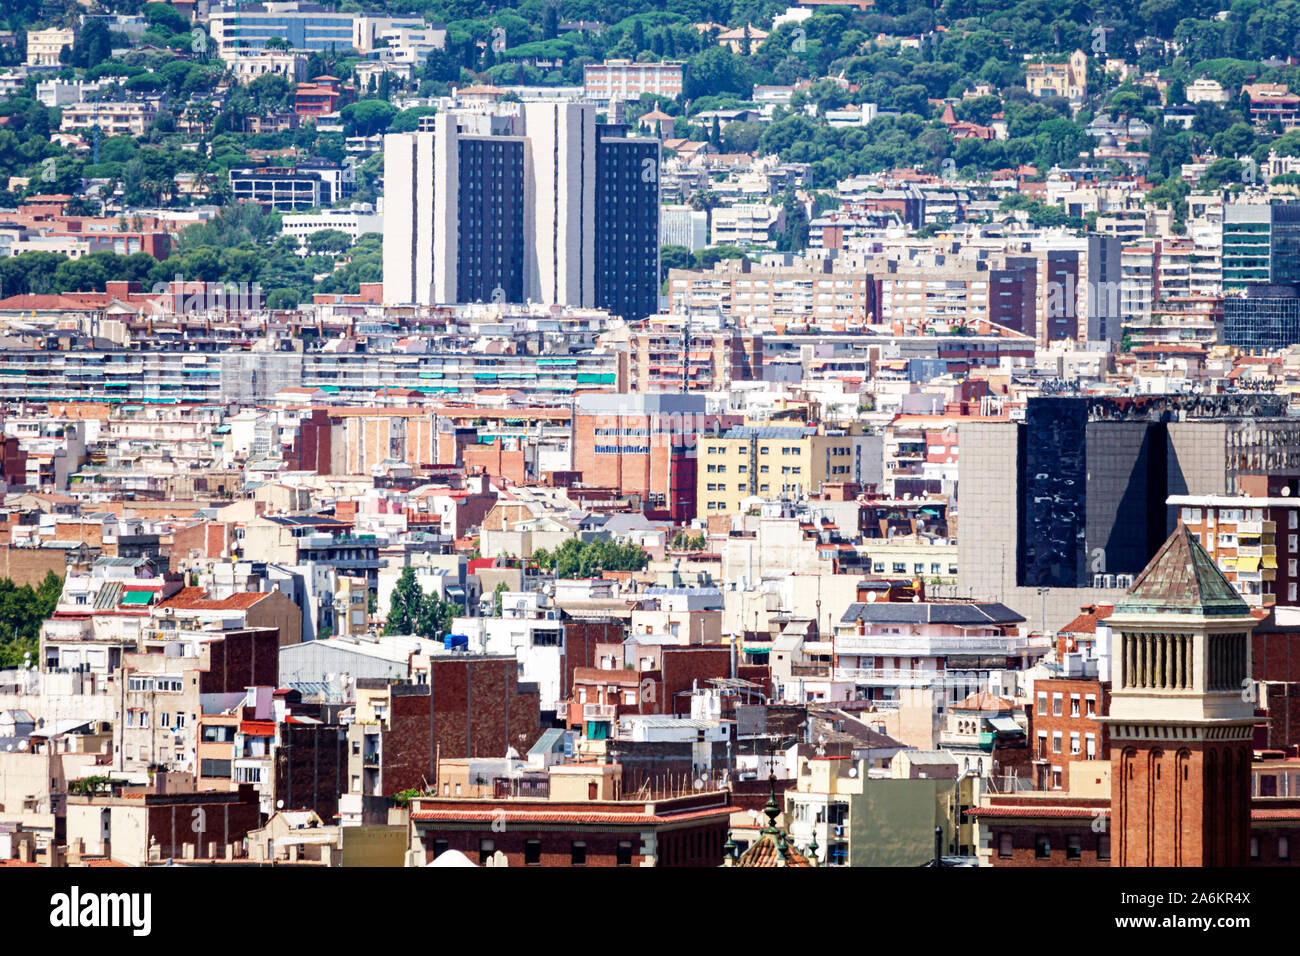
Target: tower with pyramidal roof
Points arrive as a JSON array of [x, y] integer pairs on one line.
[[1182, 714]]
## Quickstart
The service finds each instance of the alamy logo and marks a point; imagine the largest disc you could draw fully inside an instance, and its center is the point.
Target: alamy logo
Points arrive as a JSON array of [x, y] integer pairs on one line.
[[76, 910]]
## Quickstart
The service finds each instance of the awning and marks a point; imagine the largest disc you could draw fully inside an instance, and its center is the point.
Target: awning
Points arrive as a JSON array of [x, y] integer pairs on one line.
[[1248, 564], [1270, 561], [137, 598], [1005, 725]]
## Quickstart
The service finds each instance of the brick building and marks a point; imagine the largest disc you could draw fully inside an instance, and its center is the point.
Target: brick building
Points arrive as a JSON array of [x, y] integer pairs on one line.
[[134, 828], [686, 831], [1064, 728], [311, 766], [457, 705], [642, 444]]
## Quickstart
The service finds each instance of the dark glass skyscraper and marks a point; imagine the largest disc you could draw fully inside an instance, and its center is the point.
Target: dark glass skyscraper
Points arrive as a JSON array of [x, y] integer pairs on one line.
[[490, 233], [627, 223]]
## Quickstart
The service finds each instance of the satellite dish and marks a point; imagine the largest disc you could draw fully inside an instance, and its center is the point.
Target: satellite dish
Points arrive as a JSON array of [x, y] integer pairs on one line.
[[871, 597], [279, 804], [1286, 492], [699, 783], [853, 771], [916, 599]]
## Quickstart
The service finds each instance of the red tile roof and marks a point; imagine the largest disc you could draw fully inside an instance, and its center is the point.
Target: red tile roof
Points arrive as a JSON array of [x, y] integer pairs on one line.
[[1065, 812], [1086, 623], [196, 599]]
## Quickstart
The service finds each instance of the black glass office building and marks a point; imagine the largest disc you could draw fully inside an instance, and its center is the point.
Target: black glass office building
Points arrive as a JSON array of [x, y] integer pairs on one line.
[[1262, 316], [627, 223]]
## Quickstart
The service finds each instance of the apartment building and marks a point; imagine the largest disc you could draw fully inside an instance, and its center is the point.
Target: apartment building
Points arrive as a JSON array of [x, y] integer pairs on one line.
[[957, 648], [674, 353], [1064, 727], [642, 444], [747, 225], [111, 119], [249, 66], [626, 80], [777, 291], [545, 205], [44, 46], [768, 462], [1253, 541]]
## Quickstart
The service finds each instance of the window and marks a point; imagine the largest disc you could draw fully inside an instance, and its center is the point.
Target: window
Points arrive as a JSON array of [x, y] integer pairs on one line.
[[439, 848], [1091, 701], [1103, 846], [1056, 742], [1284, 848], [578, 854], [485, 850], [144, 718], [1042, 702], [1043, 847], [1254, 848], [1074, 743], [532, 852], [1073, 848], [1058, 703], [1005, 844], [1074, 705], [624, 855]]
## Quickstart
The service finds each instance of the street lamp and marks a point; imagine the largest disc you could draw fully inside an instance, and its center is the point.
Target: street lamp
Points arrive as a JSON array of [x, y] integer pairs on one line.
[[1042, 620]]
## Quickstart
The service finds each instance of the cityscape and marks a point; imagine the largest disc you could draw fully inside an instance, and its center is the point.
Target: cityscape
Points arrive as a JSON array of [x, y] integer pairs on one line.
[[739, 433]]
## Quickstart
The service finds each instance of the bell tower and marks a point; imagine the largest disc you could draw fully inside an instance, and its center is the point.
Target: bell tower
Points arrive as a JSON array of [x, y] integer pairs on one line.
[[1181, 719]]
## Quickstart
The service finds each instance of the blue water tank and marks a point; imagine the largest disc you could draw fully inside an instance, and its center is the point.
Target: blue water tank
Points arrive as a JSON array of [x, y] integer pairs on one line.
[[453, 642]]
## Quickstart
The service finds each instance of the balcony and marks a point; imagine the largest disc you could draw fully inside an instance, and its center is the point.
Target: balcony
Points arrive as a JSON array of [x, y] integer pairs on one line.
[[896, 677], [891, 645]]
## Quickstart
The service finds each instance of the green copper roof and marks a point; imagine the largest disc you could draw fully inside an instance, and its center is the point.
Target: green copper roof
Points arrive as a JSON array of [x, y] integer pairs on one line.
[[1182, 579]]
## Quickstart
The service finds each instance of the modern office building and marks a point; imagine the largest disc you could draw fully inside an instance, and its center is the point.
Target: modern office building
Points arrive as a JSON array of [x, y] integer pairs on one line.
[[309, 184], [236, 26], [546, 206], [1067, 506], [1262, 316], [1261, 244]]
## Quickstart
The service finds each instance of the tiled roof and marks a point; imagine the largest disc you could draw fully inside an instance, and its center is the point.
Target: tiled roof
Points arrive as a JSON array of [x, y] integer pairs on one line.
[[196, 599], [1086, 623], [1182, 579], [766, 852], [543, 815], [1063, 812]]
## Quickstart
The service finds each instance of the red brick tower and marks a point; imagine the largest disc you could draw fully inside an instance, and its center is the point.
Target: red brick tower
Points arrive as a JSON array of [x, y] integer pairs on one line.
[[1180, 719]]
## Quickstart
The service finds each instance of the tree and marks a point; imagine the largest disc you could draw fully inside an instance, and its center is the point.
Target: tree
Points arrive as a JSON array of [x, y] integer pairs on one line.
[[585, 559], [496, 598], [411, 611], [333, 241], [22, 611]]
